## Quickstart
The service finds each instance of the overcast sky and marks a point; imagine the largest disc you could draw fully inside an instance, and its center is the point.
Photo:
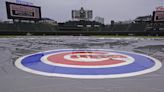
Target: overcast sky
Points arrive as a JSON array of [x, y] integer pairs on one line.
[[118, 10]]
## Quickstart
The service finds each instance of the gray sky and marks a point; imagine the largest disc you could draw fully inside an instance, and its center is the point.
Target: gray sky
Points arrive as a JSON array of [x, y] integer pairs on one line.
[[118, 10]]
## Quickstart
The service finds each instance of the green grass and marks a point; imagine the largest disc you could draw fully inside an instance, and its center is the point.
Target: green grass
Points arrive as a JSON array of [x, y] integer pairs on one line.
[[114, 36], [105, 36], [8, 36]]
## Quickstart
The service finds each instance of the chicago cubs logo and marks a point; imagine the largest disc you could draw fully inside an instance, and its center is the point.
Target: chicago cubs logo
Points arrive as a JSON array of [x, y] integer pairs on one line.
[[88, 64]]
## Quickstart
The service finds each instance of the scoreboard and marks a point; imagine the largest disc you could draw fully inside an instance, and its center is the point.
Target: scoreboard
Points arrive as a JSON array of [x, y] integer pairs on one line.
[[82, 14]]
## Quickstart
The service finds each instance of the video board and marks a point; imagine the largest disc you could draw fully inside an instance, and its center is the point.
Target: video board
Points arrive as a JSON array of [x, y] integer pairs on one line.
[[158, 16], [21, 11]]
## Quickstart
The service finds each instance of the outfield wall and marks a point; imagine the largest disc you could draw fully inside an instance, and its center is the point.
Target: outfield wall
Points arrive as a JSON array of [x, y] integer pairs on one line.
[[45, 29]]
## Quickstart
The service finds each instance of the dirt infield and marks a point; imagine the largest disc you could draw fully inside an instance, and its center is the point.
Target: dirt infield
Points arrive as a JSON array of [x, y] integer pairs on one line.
[[14, 80]]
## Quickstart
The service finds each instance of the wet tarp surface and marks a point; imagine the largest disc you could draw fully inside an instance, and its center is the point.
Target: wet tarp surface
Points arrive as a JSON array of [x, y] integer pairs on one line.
[[13, 79]]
